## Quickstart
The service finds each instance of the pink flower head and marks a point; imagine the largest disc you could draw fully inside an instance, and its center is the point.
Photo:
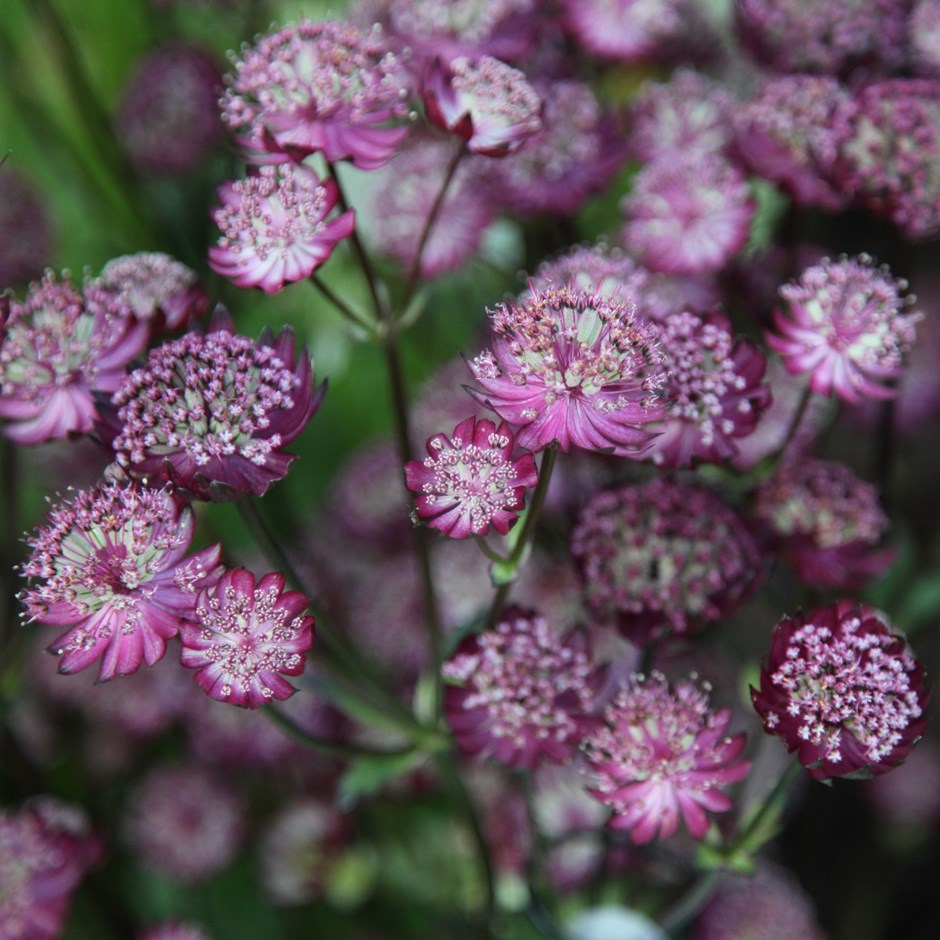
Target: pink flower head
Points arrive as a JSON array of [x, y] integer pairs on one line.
[[825, 522], [923, 36], [318, 88], [714, 393], [520, 693], [274, 227], [243, 638], [572, 366], [663, 558], [22, 210], [211, 412], [688, 213], [846, 328], [470, 481], [664, 755], [57, 348], [484, 101], [109, 563], [842, 689], [625, 30]]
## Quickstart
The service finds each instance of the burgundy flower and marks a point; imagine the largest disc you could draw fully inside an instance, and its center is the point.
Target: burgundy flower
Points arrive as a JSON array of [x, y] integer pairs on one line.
[[243, 638], [842, 689], [110, 564], [470, 480]]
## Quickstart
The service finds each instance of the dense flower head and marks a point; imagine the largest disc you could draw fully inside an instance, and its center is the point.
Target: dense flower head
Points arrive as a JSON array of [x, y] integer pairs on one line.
[[825, 522], [109, 563], [22, 210], [846, 327], [572, 366], [211, 412], [58, 347], [243, 637], [470, 480], [625, 30], [484, 101], [318, 87], [714, 393], [842, 688], [663, 755], [688, 213], [662, 557], [274, 227], [520, 693]]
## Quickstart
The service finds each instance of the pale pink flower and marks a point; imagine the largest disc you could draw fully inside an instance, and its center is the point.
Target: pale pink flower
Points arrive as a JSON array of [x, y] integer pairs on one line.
[[626, 30]]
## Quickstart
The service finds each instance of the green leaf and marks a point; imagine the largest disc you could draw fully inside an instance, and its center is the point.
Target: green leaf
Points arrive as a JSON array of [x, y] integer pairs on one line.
[[368, 774]]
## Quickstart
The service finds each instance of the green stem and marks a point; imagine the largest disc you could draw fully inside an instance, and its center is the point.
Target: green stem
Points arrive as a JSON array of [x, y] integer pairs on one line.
[[357, 319], [694, 899], [770, 808]]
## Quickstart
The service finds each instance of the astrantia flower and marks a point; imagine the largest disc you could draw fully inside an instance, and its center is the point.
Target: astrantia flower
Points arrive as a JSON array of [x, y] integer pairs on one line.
[[714, 393], [470, 481], [318, 88], [625, 30], [572, 366], [22, 210], [520, 694], [484, 101], [688, 213], [825, 522], [57, 348], [110, 564], [212, 412], [844, 690], [662, 756], [274, 227], [846, 328], [243, 638], [662, 557], [923, 36]]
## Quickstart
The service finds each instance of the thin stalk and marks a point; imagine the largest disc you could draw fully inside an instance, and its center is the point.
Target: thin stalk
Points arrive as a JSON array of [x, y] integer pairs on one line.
[[798, 416], [9, 494], [538, 912], [357, 319]]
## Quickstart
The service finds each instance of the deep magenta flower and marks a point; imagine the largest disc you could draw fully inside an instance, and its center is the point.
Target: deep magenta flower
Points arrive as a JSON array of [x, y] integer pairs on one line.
[[470, 480], [572, 366], [318, 88], [274, 227], [243, 638], [842, 689], [664, 756], [57, 348], [211, 412], [625, 30], [520, 694], [22, 210], [486, 102], [846, 328], [110, 564]]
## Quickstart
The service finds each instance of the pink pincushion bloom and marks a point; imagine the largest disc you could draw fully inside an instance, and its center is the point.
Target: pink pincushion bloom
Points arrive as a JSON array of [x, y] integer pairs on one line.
[[484, 101], [574, 367], [470, 480], [842, 689], [520, 694], [110, 563], [57, 348], [625, 30], [664, 756], [243, 638], [318, 88], [274, 227], [211, 413], [688, 213], [845, 328]]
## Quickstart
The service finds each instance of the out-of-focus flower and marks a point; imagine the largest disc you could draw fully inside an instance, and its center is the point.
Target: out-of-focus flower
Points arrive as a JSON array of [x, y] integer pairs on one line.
[[110, 564], [909, 797], [519, 693], [470, 480], [22, 210], [168, 115], [714, 393], [842, 689], [825, 522], [274, 227], [663, 755], [688, 213], [923, 36], [242, 638], [846, 327], [57, 348], [626, 30], [663, 558], [484, 101], [210, 413], [318, 88], [174, 930], [575, 367], [611, 922]]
